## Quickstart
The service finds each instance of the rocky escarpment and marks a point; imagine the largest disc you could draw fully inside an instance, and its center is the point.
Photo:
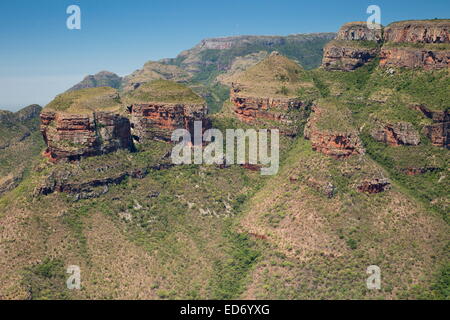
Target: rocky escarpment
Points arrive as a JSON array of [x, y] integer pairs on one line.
[[416, 31], [337, 142], [417, 44], [77, 125], [72, 136], [414, 58], [249, 109], [159, 107], [157, 121], [354, 46], [401, 133], [439, 131], [408, 44], [269, 91]]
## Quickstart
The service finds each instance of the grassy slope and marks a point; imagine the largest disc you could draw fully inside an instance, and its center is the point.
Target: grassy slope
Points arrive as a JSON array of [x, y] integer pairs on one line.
[[86, 100], [185, 232], [162, 91]]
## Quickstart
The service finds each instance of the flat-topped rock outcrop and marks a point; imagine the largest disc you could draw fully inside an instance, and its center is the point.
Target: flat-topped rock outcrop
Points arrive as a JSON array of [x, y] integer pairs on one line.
[[330, 133], [354, 46], [85, 123], [159, 107], [269, 90]]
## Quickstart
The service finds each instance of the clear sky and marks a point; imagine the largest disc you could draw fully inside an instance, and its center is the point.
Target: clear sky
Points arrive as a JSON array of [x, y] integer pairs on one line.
[[40, 57]]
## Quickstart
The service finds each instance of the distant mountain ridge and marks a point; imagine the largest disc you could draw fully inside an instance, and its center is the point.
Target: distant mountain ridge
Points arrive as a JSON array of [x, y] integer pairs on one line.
[[205, 66]]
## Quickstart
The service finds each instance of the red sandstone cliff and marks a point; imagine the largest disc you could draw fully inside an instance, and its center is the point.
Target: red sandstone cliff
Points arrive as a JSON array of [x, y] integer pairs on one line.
[[339, 144], [354, 46], [72, 136], [158, 120]]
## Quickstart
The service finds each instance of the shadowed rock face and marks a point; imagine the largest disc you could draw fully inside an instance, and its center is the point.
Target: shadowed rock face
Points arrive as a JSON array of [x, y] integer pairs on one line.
[[439, 131], [157, 121], [375, 186], [397, 134], [345, 53], [72, 136], [346, 58]]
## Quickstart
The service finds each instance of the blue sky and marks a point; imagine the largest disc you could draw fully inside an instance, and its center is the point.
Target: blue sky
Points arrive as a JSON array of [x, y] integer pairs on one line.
[[40, 57]]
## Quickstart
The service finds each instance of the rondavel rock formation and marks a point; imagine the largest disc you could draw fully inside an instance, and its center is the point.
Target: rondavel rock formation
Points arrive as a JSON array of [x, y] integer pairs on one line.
[[268, 91], [76, 124], [159, 107], [337, 143], [96, 121]]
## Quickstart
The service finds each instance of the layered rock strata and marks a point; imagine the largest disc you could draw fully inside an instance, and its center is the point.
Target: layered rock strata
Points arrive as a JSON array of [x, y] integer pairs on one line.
[[157, 121], [401, 133], [335, 143], [417, 44], [72, 136], [354, 46], [439, 131]]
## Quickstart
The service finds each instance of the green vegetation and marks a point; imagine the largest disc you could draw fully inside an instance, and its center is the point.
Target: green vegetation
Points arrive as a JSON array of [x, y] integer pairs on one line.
[[86, 101], [231, 274], [46, 280], [163, 91]]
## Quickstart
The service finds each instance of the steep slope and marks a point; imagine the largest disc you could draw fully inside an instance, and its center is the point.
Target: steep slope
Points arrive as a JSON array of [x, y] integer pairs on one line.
[[271, 92], [20, 142], [159, 107], [84, 123]]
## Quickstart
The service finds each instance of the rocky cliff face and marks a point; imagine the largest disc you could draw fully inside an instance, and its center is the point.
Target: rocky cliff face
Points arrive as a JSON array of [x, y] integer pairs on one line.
[[401, 133], [415, 58], [159, 107], [439, 131], [339, 144], [417, 44], [432, 31], [354, 46], [250, 109], [157, 121], [408, 44], [72, 136], [84, 123], [358, 31], [344, 56]]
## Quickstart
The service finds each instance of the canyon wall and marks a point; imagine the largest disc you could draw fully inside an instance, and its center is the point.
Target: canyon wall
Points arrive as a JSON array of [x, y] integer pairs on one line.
[[72, 136], [339, 144], [249, 109], [157, 121], [407, 44], [354, 46]]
